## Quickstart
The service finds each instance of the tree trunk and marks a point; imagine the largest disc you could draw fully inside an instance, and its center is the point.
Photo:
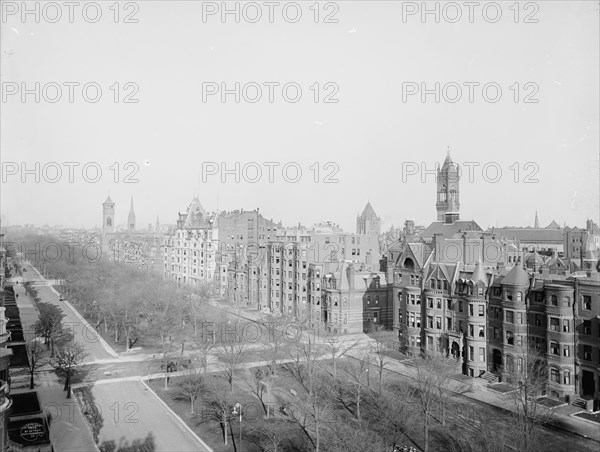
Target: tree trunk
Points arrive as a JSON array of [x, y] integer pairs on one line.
[[192, 405], [225, 431], [426, 433], [126, 340], [31, 376]]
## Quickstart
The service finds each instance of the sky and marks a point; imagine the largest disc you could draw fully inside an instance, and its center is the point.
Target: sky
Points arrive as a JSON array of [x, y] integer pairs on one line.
[[355, 132]]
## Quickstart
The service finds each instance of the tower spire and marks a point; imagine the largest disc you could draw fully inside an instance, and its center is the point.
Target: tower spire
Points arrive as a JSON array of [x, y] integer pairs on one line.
[[536, 223], [131, 217]]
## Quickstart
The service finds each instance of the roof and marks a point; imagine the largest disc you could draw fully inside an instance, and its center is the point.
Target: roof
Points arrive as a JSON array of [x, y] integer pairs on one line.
[[368, 212], [108, 200], [553, 225], [448, 230], [195, 215], [530, 235], [517, 277]]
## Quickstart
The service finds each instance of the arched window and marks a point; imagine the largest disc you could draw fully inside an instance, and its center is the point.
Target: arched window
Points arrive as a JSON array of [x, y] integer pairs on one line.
[[408, 263], [510, 338]]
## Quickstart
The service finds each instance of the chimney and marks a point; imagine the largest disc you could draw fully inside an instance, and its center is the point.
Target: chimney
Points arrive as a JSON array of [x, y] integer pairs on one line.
[[501, 267], [438, 243], [350, 276]]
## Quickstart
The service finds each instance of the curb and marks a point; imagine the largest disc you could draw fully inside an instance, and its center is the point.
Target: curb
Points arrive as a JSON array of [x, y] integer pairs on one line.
[[107, 347], [187, 427]]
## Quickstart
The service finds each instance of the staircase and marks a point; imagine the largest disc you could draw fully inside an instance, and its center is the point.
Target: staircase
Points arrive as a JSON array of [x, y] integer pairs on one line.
[[489, 377], [581, 403]]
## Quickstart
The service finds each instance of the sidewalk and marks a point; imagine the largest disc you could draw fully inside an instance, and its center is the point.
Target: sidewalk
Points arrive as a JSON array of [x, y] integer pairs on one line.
[[477, 390]]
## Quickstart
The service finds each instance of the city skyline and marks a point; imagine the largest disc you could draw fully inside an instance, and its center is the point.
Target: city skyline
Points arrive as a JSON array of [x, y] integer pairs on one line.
[[368, 135]]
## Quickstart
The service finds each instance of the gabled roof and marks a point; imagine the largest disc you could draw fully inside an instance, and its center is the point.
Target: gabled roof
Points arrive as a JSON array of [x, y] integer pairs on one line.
[[108, 201], [448, 230], [196, 215], [553, 225]]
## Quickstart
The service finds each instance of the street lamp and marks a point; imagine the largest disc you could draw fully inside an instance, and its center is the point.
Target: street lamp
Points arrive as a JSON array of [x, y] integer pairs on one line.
[[238, 410]]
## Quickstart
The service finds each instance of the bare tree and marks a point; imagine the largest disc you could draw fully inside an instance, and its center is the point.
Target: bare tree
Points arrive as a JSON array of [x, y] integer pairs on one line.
[[220, 401], [189, 388], [432, 389], [259, 383], [338, 349], [271, 435], [528, 373], [202, 350], [383, 341], [68, 357], [35, 353], [231, 355], [357, 376]]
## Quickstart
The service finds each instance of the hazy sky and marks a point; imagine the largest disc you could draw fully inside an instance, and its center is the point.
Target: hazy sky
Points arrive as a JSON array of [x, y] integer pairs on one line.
[[368, 137]]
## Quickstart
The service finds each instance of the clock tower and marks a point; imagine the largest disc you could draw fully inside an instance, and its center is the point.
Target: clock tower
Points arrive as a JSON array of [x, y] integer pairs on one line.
[[447, 204]]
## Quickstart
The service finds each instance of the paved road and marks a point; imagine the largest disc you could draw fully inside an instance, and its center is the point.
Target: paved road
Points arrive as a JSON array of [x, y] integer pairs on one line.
[[83, 333], [130, 411]]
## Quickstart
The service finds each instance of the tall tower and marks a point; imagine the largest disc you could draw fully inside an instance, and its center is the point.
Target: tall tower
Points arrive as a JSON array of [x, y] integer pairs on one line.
[[368, 222], [108, 216], [447, 204], [131, 218], [536, 225], [157, 226]]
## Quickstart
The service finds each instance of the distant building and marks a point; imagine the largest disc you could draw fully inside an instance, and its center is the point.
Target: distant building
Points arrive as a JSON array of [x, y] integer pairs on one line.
[[368, 223], [581, 243], [191, 250], [108, 216]]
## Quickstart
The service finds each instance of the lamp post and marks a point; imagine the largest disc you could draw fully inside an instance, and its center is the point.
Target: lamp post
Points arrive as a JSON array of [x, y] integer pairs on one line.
[[238, 410]]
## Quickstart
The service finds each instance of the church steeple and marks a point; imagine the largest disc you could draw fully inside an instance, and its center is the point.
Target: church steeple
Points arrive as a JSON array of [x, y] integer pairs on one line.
[[448, 205], [157, 226], [131, 218], [537, 223]]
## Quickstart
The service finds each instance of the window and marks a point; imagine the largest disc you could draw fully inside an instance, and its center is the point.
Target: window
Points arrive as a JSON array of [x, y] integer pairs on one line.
[[554, 375], [438, 303], [481, 331], [438, 323], [368, 299], [519, 296], [554, 324], [510, 317], [418, 321], [554, 348], [496, 333], [412, 320], [376, 299], [567, 302], [448, 304], [566, 350], [430, 302], [481, 310], [566, 326], [553, 300], [432, 284], [460, 306], [471, 330], [587, 302], [449, 323], [508, 295], [587, 327], [470, 309], [510, 339], [471, 353], [345, 319], [430, 342], [400, 316], [482, 354], [480, 291], [429, 321], [567, 377], [587, 352], [445, 285], [538, 320]]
